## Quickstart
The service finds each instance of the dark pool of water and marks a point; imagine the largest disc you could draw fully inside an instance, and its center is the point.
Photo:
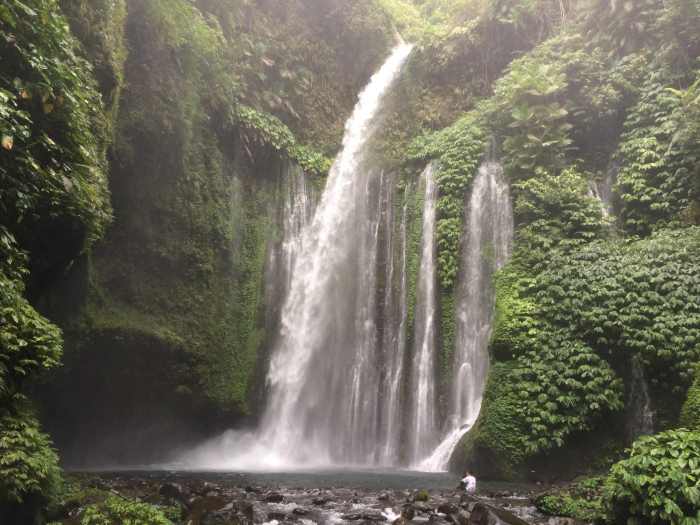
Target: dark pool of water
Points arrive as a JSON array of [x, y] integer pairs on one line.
[[366, 479]]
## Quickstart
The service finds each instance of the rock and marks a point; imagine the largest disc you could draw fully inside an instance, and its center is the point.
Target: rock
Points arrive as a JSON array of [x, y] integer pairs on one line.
[[447, 508], [483, 514], [205, 489], [422, 508], [175, 492], [459, 518], [274, 497], [563, 521], [364, 515], [408, 512], [276, 515], [254, 490], [320, 501], [253, 512], [437, 519], [384, 496], [301, 511]]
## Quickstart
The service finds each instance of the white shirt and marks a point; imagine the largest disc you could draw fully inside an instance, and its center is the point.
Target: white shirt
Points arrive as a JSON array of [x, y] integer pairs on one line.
[[469, 484]]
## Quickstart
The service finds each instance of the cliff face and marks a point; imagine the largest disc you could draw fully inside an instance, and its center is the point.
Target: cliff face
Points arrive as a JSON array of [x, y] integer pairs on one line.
[[163, 318]]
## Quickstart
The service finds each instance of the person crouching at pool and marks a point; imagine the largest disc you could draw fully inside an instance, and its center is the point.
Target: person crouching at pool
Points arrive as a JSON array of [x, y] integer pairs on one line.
[[469, 483]]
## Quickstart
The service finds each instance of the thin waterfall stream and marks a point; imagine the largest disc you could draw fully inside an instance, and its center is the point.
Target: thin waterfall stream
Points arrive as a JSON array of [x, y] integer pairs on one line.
[[487, 245], [422, 415]]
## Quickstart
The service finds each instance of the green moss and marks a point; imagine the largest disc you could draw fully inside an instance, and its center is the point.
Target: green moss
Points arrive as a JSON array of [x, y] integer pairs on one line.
[[448, 327], [493, 447], [458, 150]]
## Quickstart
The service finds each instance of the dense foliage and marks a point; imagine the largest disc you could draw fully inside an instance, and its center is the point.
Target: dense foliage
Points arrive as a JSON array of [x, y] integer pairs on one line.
[[582, 500], [658, 483], [52, 163], [690, 414]]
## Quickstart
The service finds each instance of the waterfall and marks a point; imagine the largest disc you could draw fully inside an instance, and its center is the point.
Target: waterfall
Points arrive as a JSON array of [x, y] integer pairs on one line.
[[323, 398], [603, 190], [422, 420], [640, 415], [297, 198], [395, 309], [487, 244]]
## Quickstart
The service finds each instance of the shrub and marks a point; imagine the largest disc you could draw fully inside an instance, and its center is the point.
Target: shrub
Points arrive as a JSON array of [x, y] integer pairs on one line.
[[690, 414], [658, 483], [119, 511], [581, 500], [28, 465]]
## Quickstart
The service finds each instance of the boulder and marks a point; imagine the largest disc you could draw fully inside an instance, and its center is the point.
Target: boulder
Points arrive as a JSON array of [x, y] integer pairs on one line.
[[446, 507], [364, 515], [174, 492], [274, 497], [483, 514]]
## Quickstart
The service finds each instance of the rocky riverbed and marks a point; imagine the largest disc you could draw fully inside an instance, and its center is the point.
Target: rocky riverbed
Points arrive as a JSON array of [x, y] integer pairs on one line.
[[233, 500]]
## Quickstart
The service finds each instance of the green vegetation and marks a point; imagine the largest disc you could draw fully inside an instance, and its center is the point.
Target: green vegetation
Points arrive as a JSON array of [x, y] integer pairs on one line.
[[53, 203], [582, 500], [119, 510], [194, 110], [268, 130], [52, 159], [658, 483], [690, 414]]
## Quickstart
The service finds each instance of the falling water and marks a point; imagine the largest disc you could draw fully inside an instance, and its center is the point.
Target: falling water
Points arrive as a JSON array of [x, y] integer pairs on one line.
[[603, 190], [640, 415], [423, 425], [487, 245], [298, 198], [323, 399], [395, 310]]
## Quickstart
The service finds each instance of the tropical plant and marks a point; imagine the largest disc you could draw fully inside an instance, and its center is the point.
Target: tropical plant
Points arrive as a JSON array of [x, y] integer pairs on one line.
[[658, 483]]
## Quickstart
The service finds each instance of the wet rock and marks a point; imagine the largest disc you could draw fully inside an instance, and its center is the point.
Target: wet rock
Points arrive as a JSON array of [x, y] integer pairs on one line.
[[364, 515], [174, 492], [408, 512], [301, 511], [253, 490], [459, 517], [383, 496], [564, 521], [276, 515], [321, 500], [447, 508], [483, 514], [274, 497], [437, 519], [422, 508], [205, 489], [252, 512]]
